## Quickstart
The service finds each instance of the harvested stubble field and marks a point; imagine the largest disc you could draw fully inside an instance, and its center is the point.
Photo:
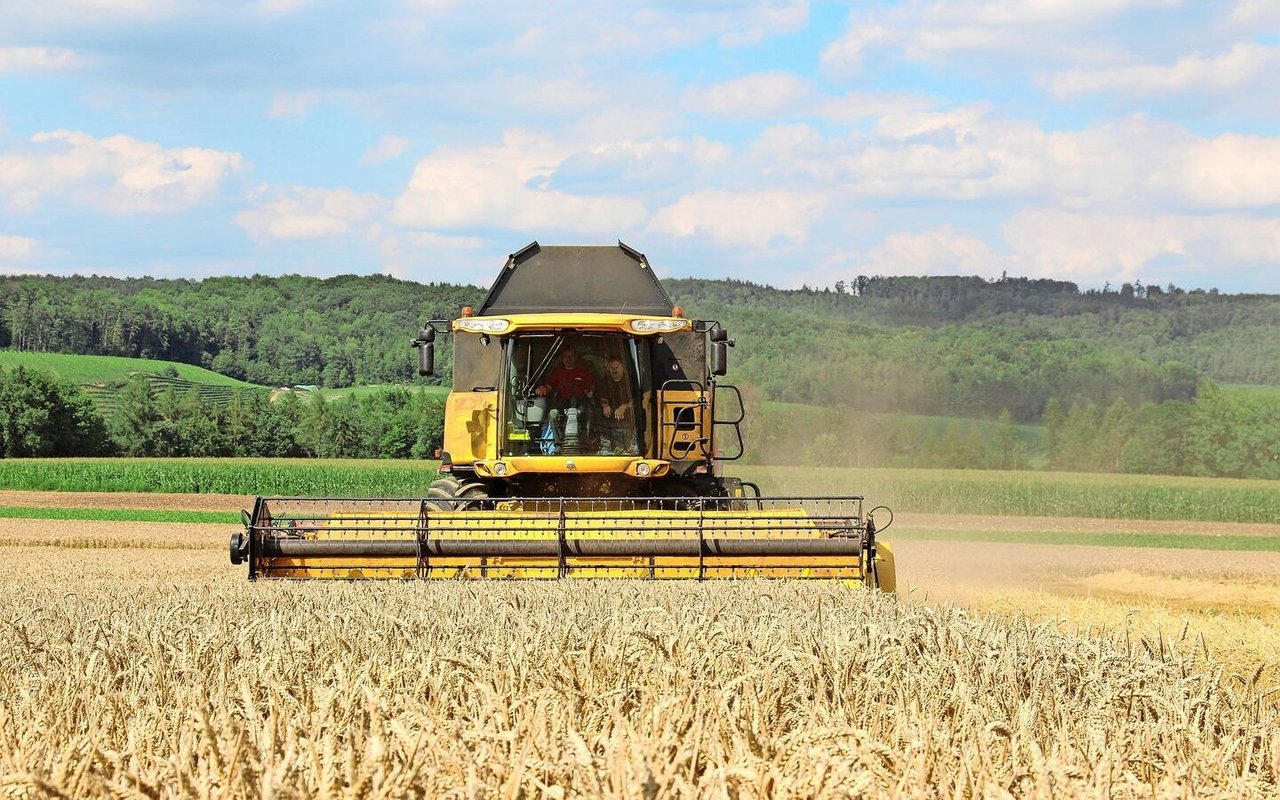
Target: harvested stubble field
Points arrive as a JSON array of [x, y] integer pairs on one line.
[[134, 661]]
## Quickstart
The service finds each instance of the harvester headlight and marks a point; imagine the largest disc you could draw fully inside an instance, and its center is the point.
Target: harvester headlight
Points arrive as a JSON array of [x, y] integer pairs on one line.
[[500, 469], [642, 469], [482, 325], [658, 325]]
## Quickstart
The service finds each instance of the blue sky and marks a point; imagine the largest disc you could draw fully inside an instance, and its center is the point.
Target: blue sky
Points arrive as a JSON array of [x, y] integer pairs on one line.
[[777, 141]]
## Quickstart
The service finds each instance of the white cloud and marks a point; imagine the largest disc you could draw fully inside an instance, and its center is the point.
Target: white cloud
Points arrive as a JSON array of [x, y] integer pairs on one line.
[[941, 251], [859, 106], [761, 95], [1098, 247], [295, 104], [847, 53], [117, 174], [1245, 65], [37, 59], [741, 219], [506, 186], [15, 247], [761, 20], [939, 30], [965, 154], [303, 212], [1256, 14], [1227, 171], [388, 148]]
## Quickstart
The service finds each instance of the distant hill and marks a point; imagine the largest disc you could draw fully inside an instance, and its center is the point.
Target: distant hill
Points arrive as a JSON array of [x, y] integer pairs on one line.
[[103, 377], [951, 347]]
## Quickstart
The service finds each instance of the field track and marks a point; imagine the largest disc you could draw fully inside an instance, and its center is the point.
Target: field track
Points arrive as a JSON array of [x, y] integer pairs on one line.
[[134, 500]]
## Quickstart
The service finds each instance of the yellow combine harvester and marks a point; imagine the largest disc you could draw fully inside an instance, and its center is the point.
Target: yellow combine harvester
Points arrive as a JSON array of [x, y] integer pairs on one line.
[[584, 437]]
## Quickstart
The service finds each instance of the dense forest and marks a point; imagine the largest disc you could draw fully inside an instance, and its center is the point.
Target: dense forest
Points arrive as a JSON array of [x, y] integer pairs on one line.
[[342, 331], [940, 346], [1123, 379]]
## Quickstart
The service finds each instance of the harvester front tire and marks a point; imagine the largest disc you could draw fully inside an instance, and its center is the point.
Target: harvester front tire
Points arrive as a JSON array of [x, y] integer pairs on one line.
[[451, 494]]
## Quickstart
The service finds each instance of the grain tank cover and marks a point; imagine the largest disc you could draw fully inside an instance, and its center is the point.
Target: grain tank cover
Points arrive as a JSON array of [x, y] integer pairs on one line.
[[608, 279]]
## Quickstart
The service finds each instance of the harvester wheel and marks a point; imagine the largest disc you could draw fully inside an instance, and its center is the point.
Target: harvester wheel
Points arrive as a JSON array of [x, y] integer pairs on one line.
[[451, 494], [444, 487]]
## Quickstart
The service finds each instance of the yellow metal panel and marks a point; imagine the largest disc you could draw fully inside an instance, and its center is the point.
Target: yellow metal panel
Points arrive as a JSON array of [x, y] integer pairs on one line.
[[470, 429], [683, 445], [573, 464], [576, 321], [511, 523]]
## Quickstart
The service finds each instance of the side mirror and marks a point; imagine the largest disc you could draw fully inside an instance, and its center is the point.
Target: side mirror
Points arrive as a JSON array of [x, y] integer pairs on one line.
[[719, 358], [426, 345], [426, 359], [718, 334]]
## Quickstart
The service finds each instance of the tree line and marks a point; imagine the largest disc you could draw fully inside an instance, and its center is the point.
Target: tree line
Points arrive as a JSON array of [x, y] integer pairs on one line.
[[1218, 433], [971, 337], [345, 331], [41, 416]]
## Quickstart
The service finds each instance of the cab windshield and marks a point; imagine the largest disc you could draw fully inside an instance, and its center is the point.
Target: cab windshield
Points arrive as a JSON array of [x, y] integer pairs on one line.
[[572, 394]]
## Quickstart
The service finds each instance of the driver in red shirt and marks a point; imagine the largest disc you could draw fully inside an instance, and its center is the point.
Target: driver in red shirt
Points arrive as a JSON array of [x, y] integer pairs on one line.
[[570, 382]]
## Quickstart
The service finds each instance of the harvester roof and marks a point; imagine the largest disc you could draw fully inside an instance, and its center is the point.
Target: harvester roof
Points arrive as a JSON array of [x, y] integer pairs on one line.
[[609, 279]]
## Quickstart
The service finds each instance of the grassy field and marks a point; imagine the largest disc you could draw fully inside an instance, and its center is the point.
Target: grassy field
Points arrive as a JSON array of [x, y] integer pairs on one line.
[[102, 377], [1032, 493], [904, 490], [243, 476], [90, 370]]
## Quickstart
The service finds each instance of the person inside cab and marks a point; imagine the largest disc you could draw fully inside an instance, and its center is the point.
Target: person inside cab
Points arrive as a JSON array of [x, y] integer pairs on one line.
[[570, 383]]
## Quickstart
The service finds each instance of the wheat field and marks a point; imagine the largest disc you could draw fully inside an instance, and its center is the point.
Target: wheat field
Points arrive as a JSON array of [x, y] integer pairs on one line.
[[138, 671]]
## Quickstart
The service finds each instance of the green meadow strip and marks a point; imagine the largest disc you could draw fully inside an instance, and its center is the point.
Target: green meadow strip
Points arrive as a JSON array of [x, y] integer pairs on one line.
[[1171, 541], [246, 476], [1049, 494], [120, 515], [1034, 493]]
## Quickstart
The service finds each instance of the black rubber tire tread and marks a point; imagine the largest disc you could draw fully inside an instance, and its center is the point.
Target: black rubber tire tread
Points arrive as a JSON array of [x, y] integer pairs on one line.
[[450, 494], [476, 492], [446, 484], [441, 493]]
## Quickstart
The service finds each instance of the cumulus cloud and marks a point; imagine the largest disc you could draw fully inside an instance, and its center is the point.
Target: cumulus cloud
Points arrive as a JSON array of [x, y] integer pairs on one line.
[[118, 174], [1256, 13], [650, 164], [1247, 64], [37, 59], [1097, 247], [966, 154], [757, 96], [941, 251], [507, 186], [15, 248], [938, 30], [737, 219], [303, 212]]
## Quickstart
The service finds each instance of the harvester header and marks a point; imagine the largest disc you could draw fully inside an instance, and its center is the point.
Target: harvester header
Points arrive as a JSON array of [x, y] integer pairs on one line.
[[585, 436]]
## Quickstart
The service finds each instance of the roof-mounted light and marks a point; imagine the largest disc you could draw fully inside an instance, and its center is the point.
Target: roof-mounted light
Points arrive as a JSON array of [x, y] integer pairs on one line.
[[658, 325], [482, 325]]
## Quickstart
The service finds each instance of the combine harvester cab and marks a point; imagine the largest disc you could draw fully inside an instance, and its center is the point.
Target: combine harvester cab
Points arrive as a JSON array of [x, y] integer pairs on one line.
[[585, 436]]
